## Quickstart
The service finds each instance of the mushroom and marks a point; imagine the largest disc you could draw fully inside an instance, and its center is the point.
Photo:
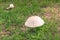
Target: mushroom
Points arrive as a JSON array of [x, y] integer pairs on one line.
[[10, 6], [34, 21]]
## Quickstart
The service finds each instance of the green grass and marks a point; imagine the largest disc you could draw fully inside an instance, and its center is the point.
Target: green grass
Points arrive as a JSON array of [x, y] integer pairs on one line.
[[13, 20]]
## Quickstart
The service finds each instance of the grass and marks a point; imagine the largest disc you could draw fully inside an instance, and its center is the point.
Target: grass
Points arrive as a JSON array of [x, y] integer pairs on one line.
[[12, 21]]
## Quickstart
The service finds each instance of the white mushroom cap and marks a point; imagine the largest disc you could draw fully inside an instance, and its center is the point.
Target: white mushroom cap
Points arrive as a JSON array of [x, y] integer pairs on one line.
[[34, 21], [11, 5]]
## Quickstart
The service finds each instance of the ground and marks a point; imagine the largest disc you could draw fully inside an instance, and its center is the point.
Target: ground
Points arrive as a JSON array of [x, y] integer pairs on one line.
[[12, 21]]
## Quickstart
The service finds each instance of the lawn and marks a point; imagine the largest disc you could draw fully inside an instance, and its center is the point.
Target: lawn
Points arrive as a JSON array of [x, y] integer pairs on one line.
[[12, 21]]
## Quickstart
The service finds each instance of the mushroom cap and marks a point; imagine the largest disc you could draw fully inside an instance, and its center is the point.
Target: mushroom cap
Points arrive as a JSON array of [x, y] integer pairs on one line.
[[34, 21], [11, 5]]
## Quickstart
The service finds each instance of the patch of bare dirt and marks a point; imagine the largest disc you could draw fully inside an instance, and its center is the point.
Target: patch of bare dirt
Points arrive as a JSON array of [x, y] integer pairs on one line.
[[48, 16], [24, 28], [4, 33], [52, 12], [12, 28], [58, 29]]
